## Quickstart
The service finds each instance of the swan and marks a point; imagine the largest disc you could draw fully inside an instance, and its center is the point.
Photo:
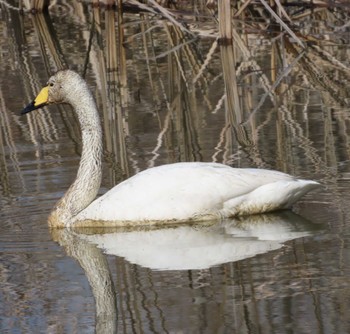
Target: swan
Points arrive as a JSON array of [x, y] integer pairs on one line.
[[173, 193]]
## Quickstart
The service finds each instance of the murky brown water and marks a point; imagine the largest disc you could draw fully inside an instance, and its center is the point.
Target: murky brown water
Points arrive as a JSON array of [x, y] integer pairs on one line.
[[280, 273]]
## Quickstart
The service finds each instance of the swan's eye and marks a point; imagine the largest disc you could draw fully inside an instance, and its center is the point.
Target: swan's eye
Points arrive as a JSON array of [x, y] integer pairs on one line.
[[51, 84]]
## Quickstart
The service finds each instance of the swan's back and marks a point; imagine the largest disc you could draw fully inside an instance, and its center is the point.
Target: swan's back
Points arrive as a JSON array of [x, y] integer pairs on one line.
[[196, 191]]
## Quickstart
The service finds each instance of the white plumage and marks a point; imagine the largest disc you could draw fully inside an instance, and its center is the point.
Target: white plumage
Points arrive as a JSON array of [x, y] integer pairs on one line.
[[196, 191], [178, 192]]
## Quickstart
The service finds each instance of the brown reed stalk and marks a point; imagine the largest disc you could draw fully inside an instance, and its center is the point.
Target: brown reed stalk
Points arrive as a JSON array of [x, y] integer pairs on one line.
[[118, 90], [48, 40], [225, 27], [38, 6]]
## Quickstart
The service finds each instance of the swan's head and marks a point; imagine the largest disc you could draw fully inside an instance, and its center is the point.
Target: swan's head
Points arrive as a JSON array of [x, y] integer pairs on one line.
[[62, 87]]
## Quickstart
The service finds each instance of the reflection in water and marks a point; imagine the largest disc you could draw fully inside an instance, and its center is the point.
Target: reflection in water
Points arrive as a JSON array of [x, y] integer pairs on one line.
[[201, 247], [96, 269], [180, 248]]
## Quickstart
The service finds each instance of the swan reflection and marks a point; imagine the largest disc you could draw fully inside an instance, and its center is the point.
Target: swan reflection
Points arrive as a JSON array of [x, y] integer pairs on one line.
[[176, 248], [198, 246]]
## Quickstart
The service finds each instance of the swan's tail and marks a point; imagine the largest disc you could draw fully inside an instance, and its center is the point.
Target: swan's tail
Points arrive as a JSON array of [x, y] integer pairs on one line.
[[269, 197]]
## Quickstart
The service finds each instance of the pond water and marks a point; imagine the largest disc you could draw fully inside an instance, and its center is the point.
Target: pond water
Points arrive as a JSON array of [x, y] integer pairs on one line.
[[167, 95]]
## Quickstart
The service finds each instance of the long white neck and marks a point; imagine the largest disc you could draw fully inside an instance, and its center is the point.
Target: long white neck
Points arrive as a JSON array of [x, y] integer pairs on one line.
[[87, 183]]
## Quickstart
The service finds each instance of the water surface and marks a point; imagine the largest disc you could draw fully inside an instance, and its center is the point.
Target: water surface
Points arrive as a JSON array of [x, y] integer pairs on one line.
[[163, 104]]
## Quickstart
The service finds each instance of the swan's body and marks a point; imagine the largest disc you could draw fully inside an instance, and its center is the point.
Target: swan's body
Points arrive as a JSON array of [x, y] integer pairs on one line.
[[171, 193], [196, 191]]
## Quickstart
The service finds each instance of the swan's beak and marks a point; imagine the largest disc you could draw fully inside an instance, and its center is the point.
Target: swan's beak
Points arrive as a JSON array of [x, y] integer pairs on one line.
[[40, 101]]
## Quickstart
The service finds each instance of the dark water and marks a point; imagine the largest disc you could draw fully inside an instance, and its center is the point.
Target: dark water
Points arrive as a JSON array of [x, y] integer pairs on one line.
[[280, 273]]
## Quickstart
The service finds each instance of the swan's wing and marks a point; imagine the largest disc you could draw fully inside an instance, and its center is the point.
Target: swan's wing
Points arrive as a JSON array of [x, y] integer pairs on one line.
[[178, 191]]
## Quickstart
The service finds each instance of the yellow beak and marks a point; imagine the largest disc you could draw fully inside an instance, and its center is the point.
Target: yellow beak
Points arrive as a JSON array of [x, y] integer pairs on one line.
[[40, 101]]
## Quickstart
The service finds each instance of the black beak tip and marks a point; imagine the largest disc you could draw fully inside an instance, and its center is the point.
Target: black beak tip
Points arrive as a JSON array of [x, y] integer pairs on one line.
[[30, 107]]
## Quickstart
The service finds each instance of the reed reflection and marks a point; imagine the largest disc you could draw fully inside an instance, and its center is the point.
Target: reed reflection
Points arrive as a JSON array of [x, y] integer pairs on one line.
[[186, 92]]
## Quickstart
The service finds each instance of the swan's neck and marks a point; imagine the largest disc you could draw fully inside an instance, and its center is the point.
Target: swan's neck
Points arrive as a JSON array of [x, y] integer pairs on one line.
[[87, 183]]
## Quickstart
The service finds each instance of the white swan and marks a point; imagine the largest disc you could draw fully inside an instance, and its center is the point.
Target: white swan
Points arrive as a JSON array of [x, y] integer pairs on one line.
[[172, 193]]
